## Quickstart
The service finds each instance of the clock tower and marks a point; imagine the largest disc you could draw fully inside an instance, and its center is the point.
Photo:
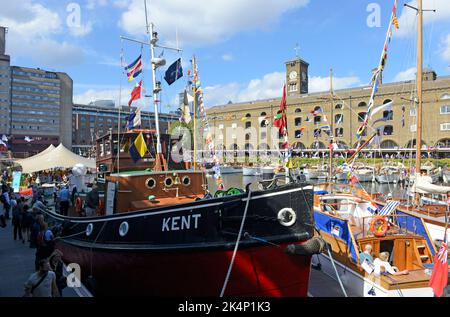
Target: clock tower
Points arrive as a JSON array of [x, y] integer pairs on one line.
[[297, 77]]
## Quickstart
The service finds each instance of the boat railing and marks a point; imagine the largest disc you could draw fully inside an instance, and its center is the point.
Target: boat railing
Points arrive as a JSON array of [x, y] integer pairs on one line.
[[396, 225]]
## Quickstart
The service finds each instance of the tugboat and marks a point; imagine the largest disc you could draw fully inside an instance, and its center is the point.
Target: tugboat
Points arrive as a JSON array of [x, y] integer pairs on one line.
[[162, 233]]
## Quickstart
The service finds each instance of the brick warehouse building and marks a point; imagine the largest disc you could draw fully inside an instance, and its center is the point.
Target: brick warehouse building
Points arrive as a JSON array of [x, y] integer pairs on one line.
[[349, 108]]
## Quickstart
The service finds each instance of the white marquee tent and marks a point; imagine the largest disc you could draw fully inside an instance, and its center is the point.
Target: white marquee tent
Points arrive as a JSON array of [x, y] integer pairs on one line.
[[59, 157]]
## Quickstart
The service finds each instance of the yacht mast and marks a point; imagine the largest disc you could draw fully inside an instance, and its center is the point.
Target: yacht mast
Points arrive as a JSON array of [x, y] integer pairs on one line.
[[419, 92], [331, 131]]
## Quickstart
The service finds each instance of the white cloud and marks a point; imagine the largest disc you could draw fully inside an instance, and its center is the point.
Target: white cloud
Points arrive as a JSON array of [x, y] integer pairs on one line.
[[207, 21], [445, 53], [82, 30], [321, 84], [93, 95], [227, 57], [409, 74], [408, 17], [270, 86], [31, 31]]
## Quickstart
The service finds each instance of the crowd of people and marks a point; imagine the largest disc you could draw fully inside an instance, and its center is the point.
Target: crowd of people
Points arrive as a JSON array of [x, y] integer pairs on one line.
[[26, 215]]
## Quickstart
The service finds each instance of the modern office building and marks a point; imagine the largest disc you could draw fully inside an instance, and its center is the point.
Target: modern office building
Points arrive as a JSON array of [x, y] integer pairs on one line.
[[41, 109], [247, 126], [35, 106], [5, 82], [92, 121]]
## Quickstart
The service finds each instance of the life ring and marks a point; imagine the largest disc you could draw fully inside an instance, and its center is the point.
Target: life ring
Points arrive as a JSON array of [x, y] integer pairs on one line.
[[78, 205], [379, 226]]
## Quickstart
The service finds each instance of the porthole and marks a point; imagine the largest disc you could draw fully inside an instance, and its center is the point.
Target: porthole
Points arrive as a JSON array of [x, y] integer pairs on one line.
[[168, 182], [287, 217], [150, 183], [89, 229], [186, 181], [123, 229]]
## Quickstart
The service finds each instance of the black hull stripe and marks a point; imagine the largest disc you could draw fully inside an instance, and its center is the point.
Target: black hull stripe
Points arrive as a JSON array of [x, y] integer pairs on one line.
[[141, 213]]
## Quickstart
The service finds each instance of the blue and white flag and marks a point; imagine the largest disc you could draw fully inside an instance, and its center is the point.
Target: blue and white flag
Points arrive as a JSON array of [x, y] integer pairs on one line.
[[134, 119], [174, 72]]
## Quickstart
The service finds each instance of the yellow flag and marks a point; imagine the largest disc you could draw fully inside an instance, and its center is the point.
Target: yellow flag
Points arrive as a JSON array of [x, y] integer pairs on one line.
[[140, 145]]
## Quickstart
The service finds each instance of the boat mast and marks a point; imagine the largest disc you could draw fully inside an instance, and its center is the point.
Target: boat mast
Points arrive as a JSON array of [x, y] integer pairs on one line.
[[419, 93], [331, 131], [153, 39], [194, 132]]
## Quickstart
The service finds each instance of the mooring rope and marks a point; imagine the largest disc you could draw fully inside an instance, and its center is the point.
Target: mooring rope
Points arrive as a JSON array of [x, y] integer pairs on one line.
[[236, 246]]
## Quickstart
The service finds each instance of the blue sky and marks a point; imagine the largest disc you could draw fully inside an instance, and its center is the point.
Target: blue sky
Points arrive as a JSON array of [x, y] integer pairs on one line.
[[240, 45]]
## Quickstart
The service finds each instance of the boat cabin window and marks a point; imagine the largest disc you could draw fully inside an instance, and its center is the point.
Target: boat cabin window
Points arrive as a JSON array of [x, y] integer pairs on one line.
[[150, 183]]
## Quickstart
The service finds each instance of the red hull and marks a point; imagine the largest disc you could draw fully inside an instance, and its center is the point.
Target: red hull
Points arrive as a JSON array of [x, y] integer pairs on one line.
[[264, 271]]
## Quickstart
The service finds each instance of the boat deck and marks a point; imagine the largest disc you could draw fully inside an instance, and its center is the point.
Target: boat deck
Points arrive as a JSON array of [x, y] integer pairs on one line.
[[166, 201]]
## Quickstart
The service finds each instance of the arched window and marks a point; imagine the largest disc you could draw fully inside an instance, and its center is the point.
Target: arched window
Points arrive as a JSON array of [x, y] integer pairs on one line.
[[387, 101], [339, 132], [389, 144], [298, 134], [443, 144], [248, 125], [318, 108], [317, 133], [298, 110], [339, 118], [298, 122], [298, 146], [248, 115], [338, 106], [412, 144], [263, 114], [318, 145], [445, 96], [248, 136], [361, 116], [362, 104]]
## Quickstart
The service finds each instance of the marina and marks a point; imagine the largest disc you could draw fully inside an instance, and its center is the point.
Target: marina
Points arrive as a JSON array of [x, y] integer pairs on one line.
[[227, 201]]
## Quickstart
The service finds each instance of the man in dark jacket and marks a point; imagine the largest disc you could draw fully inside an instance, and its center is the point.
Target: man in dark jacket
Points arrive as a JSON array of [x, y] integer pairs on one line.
[[92, 201]]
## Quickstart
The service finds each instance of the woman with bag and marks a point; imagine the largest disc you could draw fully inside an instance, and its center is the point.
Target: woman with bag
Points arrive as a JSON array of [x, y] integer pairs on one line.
[[57, 266]]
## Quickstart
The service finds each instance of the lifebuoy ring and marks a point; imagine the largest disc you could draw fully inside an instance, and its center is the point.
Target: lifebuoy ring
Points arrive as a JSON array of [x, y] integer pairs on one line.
[[78, 205], [379, 226]]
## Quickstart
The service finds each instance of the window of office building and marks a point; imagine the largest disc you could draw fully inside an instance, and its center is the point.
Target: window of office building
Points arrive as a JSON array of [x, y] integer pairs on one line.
[[445, 109]]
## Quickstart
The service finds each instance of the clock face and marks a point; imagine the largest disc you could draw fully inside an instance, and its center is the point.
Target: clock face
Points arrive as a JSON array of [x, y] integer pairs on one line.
[[293, 75]]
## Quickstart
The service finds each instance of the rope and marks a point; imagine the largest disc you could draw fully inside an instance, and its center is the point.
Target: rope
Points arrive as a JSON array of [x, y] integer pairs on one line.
[[72, 235], [227, 278], [337, 274], [95, 241]]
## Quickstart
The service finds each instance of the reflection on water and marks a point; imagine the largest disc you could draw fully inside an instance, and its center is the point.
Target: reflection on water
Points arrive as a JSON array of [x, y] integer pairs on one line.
[[237, 180]]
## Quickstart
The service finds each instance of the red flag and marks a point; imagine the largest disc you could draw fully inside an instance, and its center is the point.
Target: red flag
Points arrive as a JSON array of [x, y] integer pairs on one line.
[[353, 179], [439, 277], [283, 100], [135, 93], [280, 121]]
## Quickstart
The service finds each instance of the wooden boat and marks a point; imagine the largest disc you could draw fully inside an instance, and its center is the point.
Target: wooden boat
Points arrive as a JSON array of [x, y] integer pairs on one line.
[[343, 220], [162, 233]]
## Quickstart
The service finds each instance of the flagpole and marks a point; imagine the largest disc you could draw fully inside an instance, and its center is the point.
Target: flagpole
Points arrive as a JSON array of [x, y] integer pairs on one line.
[[419, 95], [331, 132], [194, 133]]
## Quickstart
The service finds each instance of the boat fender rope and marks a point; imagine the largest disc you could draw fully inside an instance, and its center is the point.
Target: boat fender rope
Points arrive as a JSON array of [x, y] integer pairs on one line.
[[315, 245], [230, 268]]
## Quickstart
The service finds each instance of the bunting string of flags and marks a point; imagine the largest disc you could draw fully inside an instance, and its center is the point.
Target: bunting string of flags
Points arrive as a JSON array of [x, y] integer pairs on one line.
[[207, 129], [377, 74]]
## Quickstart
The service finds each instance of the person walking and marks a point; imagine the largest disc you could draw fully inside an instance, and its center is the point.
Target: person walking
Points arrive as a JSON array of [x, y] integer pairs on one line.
[[16, 220], [57, 266], [45, 244], [92, 201], [27, 221], [5, 199], [35, 227], [42, 283], [64, 198]]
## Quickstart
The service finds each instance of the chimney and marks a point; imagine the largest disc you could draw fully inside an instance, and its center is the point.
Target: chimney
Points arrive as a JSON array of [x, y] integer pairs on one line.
[[2, 40]]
